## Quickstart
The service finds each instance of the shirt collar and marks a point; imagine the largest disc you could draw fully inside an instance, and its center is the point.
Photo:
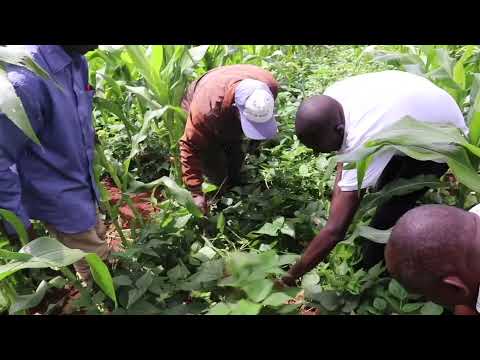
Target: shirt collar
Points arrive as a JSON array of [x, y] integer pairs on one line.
[[55, 57]]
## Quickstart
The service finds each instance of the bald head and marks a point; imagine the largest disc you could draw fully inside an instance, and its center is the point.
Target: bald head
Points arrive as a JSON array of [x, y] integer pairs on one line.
[[434, 250], [320, 123]]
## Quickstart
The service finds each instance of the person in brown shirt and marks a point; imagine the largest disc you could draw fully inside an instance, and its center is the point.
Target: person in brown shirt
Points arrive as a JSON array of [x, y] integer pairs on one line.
[[223, 105]]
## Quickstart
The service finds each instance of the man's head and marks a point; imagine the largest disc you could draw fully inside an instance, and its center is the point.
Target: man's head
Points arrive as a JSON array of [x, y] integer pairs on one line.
[[434, 250], [320, 123], [79, 49], [256, 106]]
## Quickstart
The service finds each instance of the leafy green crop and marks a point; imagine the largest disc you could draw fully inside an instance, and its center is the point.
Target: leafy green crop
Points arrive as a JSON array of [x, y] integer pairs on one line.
[[180, 262]]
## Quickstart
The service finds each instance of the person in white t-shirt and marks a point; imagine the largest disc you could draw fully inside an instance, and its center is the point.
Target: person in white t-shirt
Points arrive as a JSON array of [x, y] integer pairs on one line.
[[434, 250], [344, 118]]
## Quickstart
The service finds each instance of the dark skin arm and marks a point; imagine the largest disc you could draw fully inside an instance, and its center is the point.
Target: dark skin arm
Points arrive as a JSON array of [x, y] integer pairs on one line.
[[343, 208]]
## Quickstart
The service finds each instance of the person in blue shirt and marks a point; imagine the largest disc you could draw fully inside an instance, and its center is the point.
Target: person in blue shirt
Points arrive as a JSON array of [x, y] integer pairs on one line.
[[54, 182]]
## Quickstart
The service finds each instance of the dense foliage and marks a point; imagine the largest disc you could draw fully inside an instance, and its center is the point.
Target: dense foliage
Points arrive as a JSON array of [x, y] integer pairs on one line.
[[177, 261]]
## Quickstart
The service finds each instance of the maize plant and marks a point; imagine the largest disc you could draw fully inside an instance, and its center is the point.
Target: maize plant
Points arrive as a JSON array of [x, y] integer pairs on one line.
[[10, 103]]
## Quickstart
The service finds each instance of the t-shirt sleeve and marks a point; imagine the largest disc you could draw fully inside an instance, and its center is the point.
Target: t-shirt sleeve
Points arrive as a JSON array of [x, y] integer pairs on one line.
[[348, 181]]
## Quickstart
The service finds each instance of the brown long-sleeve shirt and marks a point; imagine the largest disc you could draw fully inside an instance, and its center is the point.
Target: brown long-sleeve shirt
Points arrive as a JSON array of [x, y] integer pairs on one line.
[[212, 119]]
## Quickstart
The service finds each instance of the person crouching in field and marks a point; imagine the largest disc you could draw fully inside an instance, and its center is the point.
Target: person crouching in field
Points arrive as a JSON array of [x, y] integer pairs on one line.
[[222, 105], [434, 250], [343, 119]]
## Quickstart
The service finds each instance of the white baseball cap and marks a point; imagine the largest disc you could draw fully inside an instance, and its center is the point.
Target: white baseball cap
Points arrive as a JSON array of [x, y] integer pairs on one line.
[[256, 105]]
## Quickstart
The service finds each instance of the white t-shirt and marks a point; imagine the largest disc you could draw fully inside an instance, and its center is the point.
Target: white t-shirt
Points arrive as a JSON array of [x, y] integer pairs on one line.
[[373, 102]]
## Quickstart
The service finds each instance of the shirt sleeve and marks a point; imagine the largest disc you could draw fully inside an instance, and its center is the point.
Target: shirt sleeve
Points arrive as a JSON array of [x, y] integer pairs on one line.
[[192, 144], [348, 181], [13, 144]]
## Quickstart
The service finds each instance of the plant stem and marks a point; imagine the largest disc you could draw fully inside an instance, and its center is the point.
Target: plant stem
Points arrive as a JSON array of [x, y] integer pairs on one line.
[[73, 279], [118, 228]]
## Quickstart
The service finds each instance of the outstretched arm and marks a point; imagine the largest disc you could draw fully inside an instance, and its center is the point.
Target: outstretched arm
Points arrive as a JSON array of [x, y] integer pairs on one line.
[[343, 208]]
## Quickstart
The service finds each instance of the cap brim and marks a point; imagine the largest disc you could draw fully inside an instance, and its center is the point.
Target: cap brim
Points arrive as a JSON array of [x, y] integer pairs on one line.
[[259, 131]]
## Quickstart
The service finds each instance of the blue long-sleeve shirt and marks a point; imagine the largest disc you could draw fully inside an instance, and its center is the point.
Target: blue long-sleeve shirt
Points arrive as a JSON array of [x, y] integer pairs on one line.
[[54, 182]]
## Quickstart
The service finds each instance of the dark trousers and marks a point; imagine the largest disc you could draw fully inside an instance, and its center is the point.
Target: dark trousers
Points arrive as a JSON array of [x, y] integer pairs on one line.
[[388, 214]]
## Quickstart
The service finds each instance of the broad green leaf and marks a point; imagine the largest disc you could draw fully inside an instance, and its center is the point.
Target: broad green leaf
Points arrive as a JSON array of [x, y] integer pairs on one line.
[[142, 307], [142, 285], [354, 156], [13, 54], [58, 282], [475, 150], [259, 289], [207, 253], [273, 228], [417, 69], [445, 61], [398, 188], [11, 255], [221, 223], [459, 74], [182, 196], [46, 252], [362, 167], [409, 131], [178, 272], [16, 223], [276, 299], [310, 279], [375, 235], [101, 275], [141, 135], [288, 228], [474, 98], [156, 57], [144, 281], [268, 229], [289, 309], [328, 299], [143, 93], [431, 308], [475, 129], [245, 307], [287, 259], [112, 108], [181, 221], [208, 188], [18, 55], [397, 290], [379, 304], [408, 308], [424, 154], [12, 107], [24, 302], [219, 309], [462, 168], [209, 271]]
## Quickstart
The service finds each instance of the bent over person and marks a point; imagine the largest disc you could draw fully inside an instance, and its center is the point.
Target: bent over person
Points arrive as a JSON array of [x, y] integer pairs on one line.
[[344, 118], [434, 250], [223, 105], [54, 182]]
